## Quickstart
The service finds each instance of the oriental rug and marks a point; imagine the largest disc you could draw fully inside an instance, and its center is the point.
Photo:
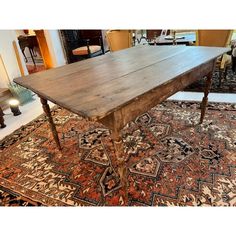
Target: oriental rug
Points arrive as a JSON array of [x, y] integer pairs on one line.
[[172, 160]]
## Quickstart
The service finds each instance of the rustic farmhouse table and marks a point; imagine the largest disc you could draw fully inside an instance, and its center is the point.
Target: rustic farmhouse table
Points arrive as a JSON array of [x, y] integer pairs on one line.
[[115, 88]]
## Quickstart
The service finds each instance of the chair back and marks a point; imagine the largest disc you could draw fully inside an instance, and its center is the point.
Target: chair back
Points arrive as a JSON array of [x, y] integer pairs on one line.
[[119, 39], [152, 34], [214, 38]]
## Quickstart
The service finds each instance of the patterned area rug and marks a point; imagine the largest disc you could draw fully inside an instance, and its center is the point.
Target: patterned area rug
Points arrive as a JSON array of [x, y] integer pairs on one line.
[[9, 198], [227, 86], [172, 160]]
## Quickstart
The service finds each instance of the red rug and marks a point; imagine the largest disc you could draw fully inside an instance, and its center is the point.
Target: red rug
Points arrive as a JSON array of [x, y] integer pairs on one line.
[[35, 68], [172, 160]]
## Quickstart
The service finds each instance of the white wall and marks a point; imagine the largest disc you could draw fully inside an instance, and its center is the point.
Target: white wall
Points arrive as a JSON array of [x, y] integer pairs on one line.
[[9, 57], [55, 47]]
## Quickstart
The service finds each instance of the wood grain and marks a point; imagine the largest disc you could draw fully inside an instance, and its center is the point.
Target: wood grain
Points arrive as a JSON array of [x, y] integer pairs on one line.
[[205, 98], [99, 86], [46, 109]]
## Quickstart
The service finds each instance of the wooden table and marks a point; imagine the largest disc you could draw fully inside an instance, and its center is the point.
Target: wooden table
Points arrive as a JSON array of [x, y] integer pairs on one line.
[[29, 41], [117, 87]]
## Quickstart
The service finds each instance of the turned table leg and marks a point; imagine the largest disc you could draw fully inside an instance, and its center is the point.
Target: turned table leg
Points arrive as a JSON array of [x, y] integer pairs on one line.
[[2, 125], [46, 109], [205, 98], [120, 161]]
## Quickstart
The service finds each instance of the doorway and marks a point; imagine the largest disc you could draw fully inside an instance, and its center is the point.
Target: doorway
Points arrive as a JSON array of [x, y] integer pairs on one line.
[[33, 45]]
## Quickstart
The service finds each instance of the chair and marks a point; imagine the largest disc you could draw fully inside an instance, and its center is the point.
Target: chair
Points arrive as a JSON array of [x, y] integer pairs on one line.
[[89, 47], [217, 38], [119, 39], [152, 34]]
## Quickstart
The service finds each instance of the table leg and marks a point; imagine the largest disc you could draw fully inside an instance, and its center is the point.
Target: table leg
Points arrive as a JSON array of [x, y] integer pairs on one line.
[[23, 52], [205, 98], [220, 78], [120, 162], [31, 54], [46, 109], [2, 119]]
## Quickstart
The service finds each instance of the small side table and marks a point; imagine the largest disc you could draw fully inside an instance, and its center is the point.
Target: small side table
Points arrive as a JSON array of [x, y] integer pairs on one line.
[[2, 125]]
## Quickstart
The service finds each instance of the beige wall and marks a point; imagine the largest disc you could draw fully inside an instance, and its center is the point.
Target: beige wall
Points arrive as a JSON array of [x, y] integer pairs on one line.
[[9, 58]]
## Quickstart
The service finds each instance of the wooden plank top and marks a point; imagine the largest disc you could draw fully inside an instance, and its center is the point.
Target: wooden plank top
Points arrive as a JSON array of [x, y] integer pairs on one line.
[[99, 86]]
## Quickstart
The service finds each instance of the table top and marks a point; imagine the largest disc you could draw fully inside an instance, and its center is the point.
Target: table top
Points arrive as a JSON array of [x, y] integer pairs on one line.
[[182, 38], [96, 87]]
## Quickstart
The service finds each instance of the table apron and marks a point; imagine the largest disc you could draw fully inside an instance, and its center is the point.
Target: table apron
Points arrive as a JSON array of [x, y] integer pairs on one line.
[[116, 120]]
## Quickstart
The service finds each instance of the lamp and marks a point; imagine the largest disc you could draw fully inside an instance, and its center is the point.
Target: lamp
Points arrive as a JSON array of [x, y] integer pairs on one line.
[[14, 105]]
